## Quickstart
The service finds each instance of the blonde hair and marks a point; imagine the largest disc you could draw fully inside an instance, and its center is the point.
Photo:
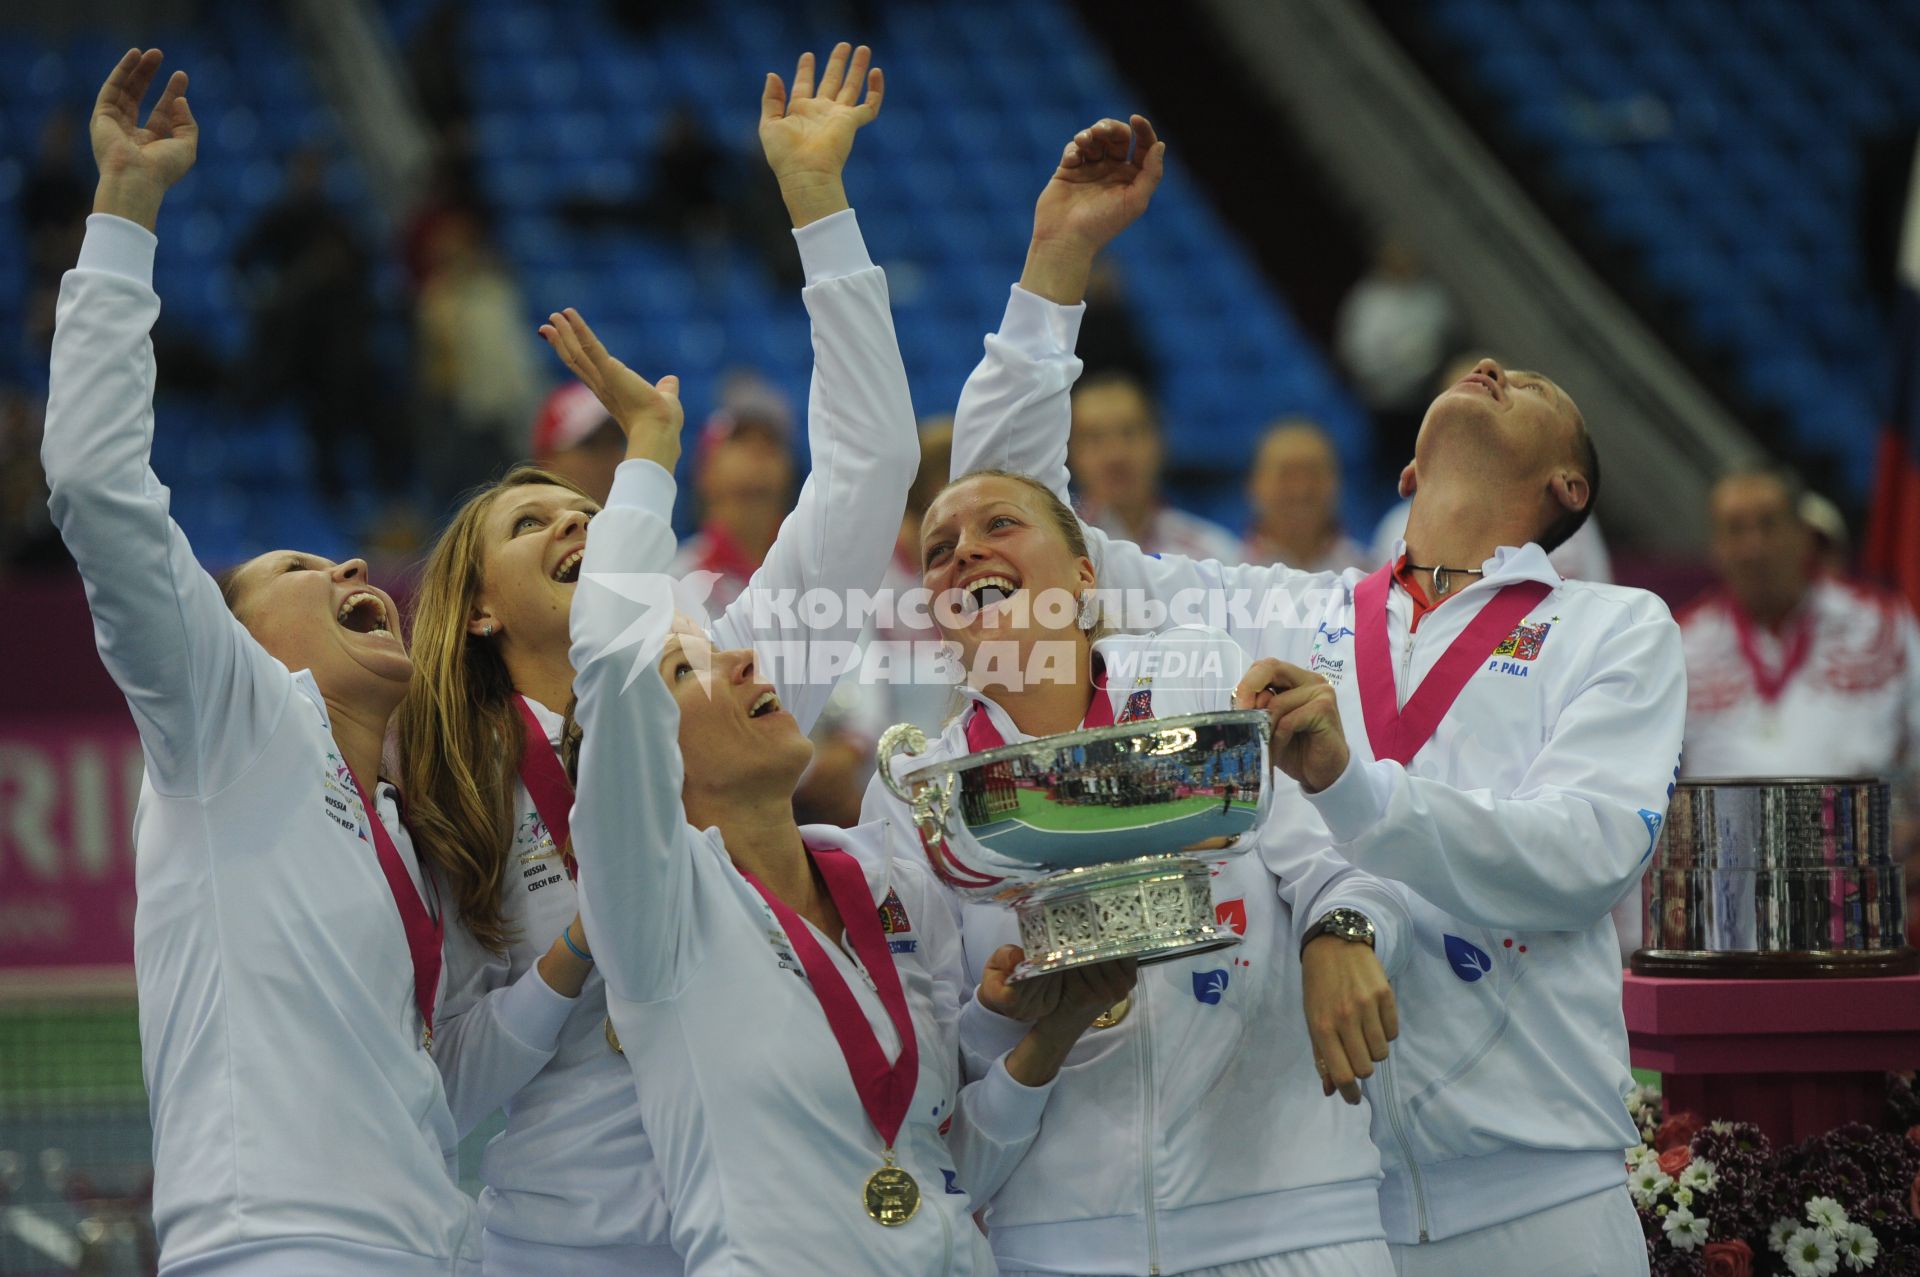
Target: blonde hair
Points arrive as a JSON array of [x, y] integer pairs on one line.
[[460, 733]]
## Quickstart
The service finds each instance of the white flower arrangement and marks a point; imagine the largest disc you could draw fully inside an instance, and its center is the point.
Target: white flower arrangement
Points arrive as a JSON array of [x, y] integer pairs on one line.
[[1857, 1247], [1700, 1175], [1685, 1230], [1818, 1247], [1824, 1212], [1812, 1252]]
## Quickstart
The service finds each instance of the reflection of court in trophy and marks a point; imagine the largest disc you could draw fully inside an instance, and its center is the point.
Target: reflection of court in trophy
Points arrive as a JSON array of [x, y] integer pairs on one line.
[[1775, 877], [1084, 834]]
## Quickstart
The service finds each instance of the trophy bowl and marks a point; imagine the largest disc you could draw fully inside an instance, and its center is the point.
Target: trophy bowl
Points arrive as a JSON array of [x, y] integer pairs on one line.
[[1770, 878], [1098, 839]]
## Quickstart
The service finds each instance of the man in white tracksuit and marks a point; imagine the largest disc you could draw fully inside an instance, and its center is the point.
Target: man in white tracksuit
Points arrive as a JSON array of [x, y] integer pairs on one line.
[[1525, 815]]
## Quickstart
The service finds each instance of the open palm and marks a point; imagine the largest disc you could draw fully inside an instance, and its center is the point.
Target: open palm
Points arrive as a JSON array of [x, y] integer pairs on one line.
[[648, 413], [162, 152], [811, 131], [1107, 176]]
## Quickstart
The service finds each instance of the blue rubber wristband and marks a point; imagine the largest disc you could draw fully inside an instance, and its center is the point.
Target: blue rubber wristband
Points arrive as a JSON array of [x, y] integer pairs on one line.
[[566, 937]]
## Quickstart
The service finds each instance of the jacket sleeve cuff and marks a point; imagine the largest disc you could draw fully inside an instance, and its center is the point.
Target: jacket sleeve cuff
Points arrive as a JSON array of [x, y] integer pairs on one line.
[[1035, 326], [116, 246], [1005, 1110], [532, 1012], [1357, 801], [832, 247], [643, 484]]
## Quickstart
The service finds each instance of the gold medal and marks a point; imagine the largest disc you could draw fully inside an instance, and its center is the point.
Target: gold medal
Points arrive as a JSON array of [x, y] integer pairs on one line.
[[613, 1039], [1114, 1014], [892, 1195]]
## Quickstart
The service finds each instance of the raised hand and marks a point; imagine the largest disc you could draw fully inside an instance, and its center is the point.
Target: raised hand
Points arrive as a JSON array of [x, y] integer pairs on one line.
[[1105, 179], [137, 165], [648, 413], [808, 134], [1309, 743]]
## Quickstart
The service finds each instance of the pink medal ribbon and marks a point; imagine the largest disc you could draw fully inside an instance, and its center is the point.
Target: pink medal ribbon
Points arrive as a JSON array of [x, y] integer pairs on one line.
[[1398, 734], [425, 929], [886, 1090], [546, 783], [1799, 644], [982, 734]]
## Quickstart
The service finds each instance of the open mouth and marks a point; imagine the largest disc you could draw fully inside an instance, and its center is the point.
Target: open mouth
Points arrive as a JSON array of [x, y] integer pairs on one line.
[[363, 613], [568, 570], [766, 703], [1481, 379], [986, 591]]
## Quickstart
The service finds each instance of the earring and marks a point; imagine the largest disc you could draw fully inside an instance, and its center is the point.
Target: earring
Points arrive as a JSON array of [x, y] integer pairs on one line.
[[1089, 611], [488, 632]]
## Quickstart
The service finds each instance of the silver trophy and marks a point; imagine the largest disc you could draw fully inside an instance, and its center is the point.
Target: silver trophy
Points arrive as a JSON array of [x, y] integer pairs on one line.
[[1775, 877], [1099, 839]]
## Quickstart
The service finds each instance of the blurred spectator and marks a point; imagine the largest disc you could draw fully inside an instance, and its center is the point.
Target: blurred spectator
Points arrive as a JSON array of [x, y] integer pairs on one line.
[[1392, 333], [1581, 557], [309, 283], [27, 537], [1790, 671], [1294, 491], [55, 198], [743, 478], [474, 354], [1110, 341], [1115, 454], [574, 438], [926, 707]]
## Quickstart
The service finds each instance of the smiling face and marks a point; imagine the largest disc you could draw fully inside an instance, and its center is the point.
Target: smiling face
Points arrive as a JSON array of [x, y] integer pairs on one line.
[[1500, 427], [734, 733], [532, 537], [997, 559], [1114, 450], [314, 614]]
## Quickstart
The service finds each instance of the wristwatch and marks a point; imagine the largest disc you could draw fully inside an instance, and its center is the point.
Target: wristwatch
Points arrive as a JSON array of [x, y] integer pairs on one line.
[[1348, 924]]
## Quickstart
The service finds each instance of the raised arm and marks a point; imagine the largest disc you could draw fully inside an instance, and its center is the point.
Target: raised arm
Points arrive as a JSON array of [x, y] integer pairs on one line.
[[493, 1033], [861, 431], [1575, 833], [203, 693], [630, 834]]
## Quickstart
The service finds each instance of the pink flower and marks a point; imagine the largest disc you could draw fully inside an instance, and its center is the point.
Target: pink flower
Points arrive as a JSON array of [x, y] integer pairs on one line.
[[1675, 1160], [1677, 1131], [1728, 1259]]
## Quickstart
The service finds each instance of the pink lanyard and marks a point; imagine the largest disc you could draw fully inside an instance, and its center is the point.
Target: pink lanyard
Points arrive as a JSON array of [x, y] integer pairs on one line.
[[982, 734], [1799, 645], [546, 783], [425, 929], [886, 1090], [1398, 733]]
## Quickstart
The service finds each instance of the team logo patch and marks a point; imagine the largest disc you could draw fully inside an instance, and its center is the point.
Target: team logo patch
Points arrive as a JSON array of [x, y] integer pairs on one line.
[[1653, 820], [342, 796], [1139, 705], [1334, 636], [1232, 914], [1469, 960], [893, 914], [1209, 986], [1525, 642]]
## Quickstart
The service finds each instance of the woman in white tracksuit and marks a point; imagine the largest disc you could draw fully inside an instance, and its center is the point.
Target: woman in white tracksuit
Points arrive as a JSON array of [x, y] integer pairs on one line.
[[1510, 830], [286, 944], [1192, 1135], [787, 998], [571, 1184]]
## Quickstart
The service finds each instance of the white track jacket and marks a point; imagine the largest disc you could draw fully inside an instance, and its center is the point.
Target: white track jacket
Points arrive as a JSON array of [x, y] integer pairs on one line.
[[1193, 1133], [574, 1167], [762, 1142], [298, 1123], [1517, 827]]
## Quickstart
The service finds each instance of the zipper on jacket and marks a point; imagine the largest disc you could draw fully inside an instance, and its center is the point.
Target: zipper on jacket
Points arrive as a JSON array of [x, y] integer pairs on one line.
[[1147, 1128], [946, 1233], [1406, 1149]]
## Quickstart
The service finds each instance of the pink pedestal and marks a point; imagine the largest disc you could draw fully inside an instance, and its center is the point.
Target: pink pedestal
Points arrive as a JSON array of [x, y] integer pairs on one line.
[[1794, 1057]]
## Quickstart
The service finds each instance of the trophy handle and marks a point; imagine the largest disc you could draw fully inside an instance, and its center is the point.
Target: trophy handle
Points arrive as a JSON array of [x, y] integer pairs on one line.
[[901, 738]]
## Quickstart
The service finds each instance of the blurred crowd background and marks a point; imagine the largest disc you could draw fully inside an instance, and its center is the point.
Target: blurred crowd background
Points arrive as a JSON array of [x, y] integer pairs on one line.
[[1688, 212]]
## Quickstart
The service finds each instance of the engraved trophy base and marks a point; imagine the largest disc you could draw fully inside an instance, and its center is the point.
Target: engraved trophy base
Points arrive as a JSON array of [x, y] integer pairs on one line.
[[1153, 908], [1812, 964]]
